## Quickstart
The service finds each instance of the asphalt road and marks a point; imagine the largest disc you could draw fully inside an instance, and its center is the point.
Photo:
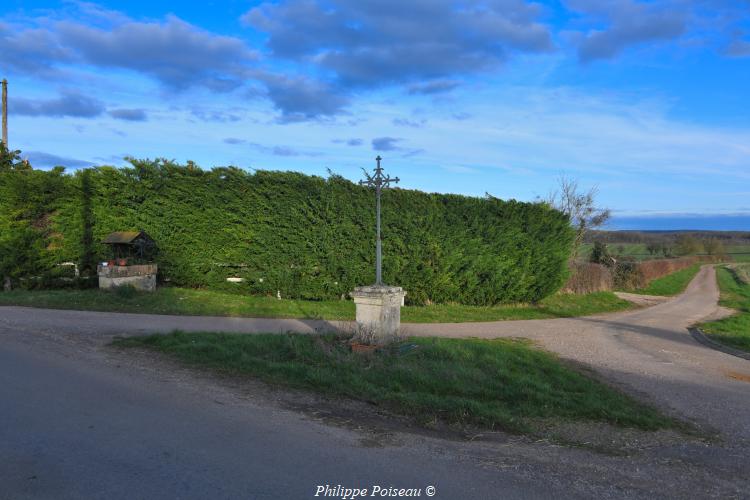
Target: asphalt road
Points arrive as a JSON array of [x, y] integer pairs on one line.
[[72, 429], [79, 419]]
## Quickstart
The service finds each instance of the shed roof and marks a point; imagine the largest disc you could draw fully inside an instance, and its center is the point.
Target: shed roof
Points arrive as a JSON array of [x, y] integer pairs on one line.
[[123, 237]]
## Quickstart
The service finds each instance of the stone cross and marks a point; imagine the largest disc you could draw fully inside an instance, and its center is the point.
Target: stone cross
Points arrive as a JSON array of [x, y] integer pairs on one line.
[[379, 182]]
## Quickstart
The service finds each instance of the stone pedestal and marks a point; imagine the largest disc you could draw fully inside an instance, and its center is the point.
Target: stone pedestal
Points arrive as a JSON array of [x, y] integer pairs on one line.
[[378, 312], [141, 277]]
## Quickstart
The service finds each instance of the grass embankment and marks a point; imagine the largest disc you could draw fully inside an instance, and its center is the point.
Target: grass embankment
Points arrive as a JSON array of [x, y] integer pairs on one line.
[[671, 284], [212, 303], [497, 384], [733, 331]]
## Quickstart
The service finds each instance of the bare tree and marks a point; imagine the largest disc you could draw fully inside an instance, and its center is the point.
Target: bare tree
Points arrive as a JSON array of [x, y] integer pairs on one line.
[[687, 244], [580, 206], [714, 246]]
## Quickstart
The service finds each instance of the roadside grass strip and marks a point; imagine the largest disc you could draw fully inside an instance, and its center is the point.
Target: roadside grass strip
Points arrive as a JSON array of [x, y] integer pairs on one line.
[[494, 384], [193, 302], [733, 331], [671, 284]]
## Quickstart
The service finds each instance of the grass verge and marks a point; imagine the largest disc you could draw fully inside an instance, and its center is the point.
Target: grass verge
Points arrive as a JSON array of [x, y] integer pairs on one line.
[[733, 331], [671, 284], [495, 384], [183, 301]]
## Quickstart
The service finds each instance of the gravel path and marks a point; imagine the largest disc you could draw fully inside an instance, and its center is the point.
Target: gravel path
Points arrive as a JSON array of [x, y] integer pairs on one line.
[[56, 364]]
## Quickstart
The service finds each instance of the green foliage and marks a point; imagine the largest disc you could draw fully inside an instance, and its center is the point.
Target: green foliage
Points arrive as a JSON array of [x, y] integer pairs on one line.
[[600, 254], [495, 384], [29, 200], [88, 254], [714, 246], [307, 237], [21, 250], [625, 275], [9, 159], [125, 292], [689, 245], [733, 331], [656, 248]]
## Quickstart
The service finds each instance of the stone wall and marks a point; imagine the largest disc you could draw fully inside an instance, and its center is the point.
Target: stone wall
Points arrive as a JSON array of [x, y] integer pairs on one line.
[[140, 277]]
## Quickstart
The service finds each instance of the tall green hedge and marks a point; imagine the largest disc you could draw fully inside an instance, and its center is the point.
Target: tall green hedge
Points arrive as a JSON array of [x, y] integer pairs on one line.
[[305, 236]]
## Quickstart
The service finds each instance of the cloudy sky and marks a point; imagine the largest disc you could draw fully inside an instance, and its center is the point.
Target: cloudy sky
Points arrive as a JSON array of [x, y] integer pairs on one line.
[[648, 100]]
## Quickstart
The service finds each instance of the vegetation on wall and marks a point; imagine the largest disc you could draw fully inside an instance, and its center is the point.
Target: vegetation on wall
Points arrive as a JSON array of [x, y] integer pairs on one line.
[[303, 236]]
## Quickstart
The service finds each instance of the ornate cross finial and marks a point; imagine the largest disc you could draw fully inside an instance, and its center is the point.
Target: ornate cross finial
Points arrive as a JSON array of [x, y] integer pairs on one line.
[[378, 181]]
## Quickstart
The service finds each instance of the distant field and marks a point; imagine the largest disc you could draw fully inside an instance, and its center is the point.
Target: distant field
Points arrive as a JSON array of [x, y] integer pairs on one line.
[[739, 253], [635, 250]]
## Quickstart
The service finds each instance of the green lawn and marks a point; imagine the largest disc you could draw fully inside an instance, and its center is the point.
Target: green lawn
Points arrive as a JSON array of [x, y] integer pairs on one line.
[[735, 293], [495, 384], [739, 253], [213, 303], [671, 284]]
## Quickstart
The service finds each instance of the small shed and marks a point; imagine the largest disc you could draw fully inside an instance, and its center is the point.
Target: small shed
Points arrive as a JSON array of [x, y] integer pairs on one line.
[[131, 246]]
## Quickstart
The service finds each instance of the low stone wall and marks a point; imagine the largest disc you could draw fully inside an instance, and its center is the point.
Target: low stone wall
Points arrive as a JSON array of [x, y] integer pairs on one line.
[[140, 277]]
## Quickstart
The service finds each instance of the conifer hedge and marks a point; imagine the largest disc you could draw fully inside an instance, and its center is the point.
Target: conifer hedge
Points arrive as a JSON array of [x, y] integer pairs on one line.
[[305, 236]]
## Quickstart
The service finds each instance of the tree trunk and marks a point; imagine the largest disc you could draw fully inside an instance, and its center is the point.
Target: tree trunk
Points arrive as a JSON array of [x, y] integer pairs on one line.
[[6, 284]]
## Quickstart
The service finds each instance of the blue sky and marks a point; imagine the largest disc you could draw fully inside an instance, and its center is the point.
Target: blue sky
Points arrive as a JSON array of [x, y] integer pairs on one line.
[[648, 100]]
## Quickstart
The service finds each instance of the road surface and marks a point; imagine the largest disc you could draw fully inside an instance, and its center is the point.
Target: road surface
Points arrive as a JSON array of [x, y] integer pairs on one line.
[[80, 419]]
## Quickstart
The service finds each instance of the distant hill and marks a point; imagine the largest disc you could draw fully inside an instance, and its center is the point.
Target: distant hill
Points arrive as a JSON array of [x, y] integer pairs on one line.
[[692, 222], [666, 236]]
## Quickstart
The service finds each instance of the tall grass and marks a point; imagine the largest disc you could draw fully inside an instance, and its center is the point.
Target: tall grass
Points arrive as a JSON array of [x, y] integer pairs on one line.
[[496, 384], [733, 331]]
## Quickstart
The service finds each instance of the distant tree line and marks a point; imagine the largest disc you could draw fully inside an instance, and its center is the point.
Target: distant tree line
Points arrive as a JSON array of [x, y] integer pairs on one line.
[[669, 238], [664, 245]]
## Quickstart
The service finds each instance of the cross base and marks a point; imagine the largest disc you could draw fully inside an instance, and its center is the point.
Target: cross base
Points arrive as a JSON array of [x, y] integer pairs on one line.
[[378, 312]]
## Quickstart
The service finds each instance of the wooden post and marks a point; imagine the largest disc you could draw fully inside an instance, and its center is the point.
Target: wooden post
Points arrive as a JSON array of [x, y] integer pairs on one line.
[[5, 112], [6, 281]]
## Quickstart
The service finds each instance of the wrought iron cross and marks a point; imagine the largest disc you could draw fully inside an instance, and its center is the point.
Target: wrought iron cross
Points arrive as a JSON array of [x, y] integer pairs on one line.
[[379, 182]]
